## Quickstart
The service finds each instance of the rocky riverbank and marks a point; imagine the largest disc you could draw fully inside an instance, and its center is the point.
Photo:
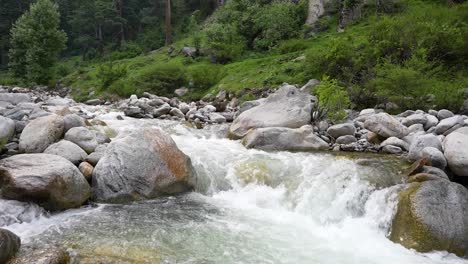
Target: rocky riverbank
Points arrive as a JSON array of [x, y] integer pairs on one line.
[[57, 155]]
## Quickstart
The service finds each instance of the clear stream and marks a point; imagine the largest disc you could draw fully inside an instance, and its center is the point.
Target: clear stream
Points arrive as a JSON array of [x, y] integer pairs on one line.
[[249, 206]]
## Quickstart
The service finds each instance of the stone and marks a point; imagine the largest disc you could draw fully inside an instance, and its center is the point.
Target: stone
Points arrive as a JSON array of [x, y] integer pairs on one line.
[[456, 151], [94, 157], [407, 113], [177, 113], [162, 110], [216, 118], [7, 130], [15, 98], [209, 109], [416, 128], [393, 141], [288, 107], [189, 52], [102, 138], [435, 171], [67, 150], [448, 123], [87, 170], [184, 108], [422, 142], [73, 120], [414, 119], [432, 216], [41, 133], [390, 149], [94, 102], [374, 138], [9, 244], [432, 121], [142, 165], [310, 85], [48, 180], [181, 91], [444, 114], [435, 157], [281, 138], [339, 130], [344, 140], [386, 126], [82, 137]]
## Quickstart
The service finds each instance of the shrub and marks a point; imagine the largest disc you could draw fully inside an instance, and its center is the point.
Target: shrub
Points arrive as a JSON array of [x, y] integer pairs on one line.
[[204, 76], [108, 73], [160, 79], [333, 98], [292, 45], [127, 51]]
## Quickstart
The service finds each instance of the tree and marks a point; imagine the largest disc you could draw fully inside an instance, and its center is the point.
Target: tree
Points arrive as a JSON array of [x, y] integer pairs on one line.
[[168, 22], [36, 42]]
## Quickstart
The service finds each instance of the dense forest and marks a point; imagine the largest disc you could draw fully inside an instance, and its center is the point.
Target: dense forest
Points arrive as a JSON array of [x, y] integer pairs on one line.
[[393, 54]]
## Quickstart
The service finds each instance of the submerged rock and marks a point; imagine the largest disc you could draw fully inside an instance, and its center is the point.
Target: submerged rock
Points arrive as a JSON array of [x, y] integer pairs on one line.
[[288, 107], [41, 133], [143, 165], [432, 215], [48, 180], [9, 245], [281, 138]]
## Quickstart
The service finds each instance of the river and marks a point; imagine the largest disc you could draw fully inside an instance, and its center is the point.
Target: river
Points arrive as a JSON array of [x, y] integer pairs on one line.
[[249, 206]]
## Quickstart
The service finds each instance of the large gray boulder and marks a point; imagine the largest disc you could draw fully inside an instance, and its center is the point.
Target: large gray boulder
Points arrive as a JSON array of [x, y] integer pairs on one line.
[[456, 151], [9, 245], [48, 180], [7, 130], [385, 125], [67, 150], [414, 119], [143, 165], [448, 123], [287, 107], [432, 215], [73, 120], [339, 130], [393, 141], [421, 142], [434, 157], [15, 98], [41, 133], [281, 138], [82, 137]]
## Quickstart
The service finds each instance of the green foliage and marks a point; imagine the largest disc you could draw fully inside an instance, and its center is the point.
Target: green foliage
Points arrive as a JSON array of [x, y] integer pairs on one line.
[[204, 76], [36, 42], [292, 45], [126, 51], [333, 98], [110, 72]]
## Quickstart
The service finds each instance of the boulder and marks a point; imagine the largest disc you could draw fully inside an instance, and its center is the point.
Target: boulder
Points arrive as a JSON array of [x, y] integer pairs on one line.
[[73, 120], [184, 108], [343, 140], [414, 119], [456, 151], [281, 138], [386, 126], [82, 137], [41, 133], [162, 110], [9, 245], [94, 157], [87, 170], [189, 52], [435, 171], [339, 130], [421, 142], [48, 180], [390, 149], [432, 121], [142, 165], [94, 102], [432, 215], [416, 128], [181, 91], [7, 130], [15, 98], [448, 123], [435, 157], [216, 118], [393, 141], [67, 150], [288, 107], [444, 114], [177, 113]]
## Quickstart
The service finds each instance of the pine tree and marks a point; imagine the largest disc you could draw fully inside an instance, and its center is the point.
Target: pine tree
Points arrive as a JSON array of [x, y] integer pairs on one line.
[[36, 42]]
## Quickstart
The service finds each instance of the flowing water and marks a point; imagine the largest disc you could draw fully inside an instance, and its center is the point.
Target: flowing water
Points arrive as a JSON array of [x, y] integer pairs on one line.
[[249, 206]]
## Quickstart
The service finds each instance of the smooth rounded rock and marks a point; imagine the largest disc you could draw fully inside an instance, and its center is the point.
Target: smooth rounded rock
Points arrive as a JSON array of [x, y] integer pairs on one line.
[[9, 245], [386, 126], [344, 140], [41, 133], [82, 137], [456, 151], [86, 169], [395, 142], [67, 150], [444, 114], [73, 120], [435, 157], [142, 165], [48, 180], [339, 130], [421, 142], [7, 130]]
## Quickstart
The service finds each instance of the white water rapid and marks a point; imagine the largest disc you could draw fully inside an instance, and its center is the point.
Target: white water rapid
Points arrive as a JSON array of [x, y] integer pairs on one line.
[[249, 206]]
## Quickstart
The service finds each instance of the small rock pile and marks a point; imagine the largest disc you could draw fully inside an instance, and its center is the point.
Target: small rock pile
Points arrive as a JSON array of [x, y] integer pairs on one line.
[[220, 110]]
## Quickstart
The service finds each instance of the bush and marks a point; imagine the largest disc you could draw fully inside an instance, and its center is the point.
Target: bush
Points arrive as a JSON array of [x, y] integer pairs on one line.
[[333, 98], [160, 79], [127, 51], [108, 73], [292, 45], [204, 76]]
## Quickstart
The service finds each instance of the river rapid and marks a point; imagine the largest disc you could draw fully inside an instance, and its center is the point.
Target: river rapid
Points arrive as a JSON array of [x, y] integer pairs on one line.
[[249, 206]]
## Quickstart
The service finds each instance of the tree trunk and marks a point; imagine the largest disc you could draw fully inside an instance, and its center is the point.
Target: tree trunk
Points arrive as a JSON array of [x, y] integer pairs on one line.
[[168, 22]]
